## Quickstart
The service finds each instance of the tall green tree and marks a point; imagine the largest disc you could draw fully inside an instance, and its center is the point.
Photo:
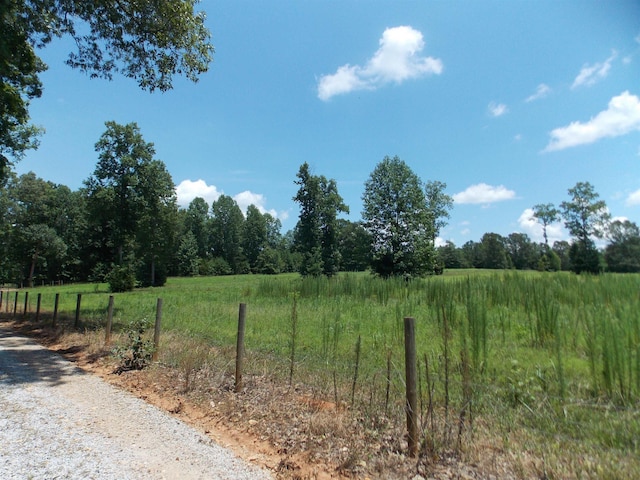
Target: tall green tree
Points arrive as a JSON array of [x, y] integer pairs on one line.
[[254, 236], [227, 225], [37, 227], [586, 218], [157, 230], [494, 252], [19, 84], [522, 252], [131, 204], [546, 214], [315, 234], [622, 254], [149, 41], [354, 243], [438, 206], [197, 221], [396, 215]]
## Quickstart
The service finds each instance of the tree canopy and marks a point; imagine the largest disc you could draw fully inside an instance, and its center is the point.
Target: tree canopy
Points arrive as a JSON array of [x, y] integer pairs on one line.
[[396, 216], [149, 41]]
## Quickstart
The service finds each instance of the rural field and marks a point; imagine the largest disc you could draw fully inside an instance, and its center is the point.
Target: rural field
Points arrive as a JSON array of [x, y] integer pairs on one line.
[[521, 374]]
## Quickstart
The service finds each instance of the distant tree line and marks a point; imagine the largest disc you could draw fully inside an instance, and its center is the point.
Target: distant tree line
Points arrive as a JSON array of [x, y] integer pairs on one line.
[[124, 227]]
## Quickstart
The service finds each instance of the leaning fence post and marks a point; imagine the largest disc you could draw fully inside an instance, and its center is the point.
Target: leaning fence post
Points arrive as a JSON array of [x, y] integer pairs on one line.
[[107, 335], [38, 307], [240, 346], [412, 380], [1, 298], [77, 320], [156, 331], [55, 310]]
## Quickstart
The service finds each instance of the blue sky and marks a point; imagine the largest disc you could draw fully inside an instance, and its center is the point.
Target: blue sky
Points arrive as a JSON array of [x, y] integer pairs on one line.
[[510, 103]]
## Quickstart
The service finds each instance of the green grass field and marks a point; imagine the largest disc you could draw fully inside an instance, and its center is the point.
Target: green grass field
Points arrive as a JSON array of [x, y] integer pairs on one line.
[[548, 362]]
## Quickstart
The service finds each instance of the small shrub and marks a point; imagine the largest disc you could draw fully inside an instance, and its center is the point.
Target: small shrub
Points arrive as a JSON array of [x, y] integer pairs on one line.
[[121, 278], [137, 353]]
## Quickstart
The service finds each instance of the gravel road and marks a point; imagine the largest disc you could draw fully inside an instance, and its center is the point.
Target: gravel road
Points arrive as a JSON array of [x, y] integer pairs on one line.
[[58, 422]]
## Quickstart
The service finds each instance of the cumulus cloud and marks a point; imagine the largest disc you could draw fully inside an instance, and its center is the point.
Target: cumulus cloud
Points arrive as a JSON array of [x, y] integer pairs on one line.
[[246, 198], [484, 194], [531, 227], [398, 59], [633, 199], [497, 109], [541, 91], [621, 117], [187, 190], [592, 74]]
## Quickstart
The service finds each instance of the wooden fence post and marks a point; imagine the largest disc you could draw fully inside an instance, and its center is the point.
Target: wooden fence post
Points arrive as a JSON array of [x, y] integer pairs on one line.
[[26, 305], [412, 381], [107, 335], [15, 304], [77, 320], [156, 331], [1, 298], [55, 310], [242, 312], [38, 307]]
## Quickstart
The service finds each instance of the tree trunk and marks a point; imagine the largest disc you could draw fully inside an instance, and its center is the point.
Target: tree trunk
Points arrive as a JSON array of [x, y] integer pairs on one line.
[[32, 269]]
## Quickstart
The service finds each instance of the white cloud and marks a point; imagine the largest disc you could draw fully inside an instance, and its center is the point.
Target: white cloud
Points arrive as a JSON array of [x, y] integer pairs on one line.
[[621, 117], [541, 91], [497, 109], [398, 59], [633, 199], [531, 227], [187, 190], [592, 74], [246, 198], [484, 194]]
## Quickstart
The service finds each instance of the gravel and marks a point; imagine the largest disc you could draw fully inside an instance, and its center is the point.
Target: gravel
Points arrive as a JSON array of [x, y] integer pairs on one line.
[[58, 422]]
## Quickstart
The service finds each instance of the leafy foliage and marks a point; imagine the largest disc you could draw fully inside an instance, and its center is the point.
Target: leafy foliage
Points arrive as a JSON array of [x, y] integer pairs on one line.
[[149, 41], [395, 215], [316, 235], [121, 278], [138, 352]]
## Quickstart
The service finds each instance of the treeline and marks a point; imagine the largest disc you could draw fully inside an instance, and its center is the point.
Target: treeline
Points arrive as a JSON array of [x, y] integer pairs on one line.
[[124, 227]]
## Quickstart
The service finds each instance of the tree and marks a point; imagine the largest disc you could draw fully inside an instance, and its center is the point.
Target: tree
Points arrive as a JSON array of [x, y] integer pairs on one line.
[[585, 217], [545, 214], [315, 234], [197, 222], [149, 41], [227, 226], [187, 255], [623, 253], [396, 216], [493, 251], [354, 243], [38, 216], [19, 84], [156, 234], [449, 256], [438, 206], [132, 206], [254, 236], [522, 252]]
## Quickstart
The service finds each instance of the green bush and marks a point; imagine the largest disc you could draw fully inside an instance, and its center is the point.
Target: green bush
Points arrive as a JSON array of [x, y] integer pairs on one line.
[[121, 278]]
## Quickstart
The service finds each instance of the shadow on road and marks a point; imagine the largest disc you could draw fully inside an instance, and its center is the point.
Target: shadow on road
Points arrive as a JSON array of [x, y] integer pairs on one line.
[[23, 360]]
